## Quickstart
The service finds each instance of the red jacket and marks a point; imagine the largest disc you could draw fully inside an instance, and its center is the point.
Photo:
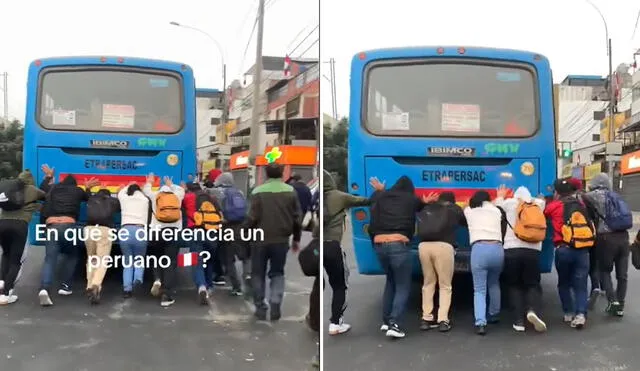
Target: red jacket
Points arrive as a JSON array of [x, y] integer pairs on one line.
[[189, 206], [555, 211]]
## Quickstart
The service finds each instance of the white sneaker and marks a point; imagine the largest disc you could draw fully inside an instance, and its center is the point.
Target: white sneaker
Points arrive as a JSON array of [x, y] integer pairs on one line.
[[155, 289], [45, 300], [340, 328], [519, 327], [579, 321], [568, 318], [65, 290], [537, 323], [1, 285], [384, 327]]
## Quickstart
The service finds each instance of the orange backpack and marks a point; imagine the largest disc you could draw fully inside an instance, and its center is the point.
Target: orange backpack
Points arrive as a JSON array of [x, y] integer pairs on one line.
[[531, 224], [168, 207]]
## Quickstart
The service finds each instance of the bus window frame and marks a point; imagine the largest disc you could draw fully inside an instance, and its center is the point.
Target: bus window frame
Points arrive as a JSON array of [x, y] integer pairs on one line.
[[142, 70], [522, 65]]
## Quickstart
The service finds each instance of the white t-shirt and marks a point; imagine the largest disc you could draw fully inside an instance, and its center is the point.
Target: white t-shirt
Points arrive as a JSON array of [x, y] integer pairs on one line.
[[485, 223]]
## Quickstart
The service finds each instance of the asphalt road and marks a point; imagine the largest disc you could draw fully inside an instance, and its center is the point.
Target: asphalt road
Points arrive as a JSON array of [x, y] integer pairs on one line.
[[138, 334], [606, 344]]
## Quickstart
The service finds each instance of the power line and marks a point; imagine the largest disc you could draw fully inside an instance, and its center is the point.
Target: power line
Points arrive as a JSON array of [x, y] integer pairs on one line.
[[246, 48], [635, 28], [305, 39], [309, 48]]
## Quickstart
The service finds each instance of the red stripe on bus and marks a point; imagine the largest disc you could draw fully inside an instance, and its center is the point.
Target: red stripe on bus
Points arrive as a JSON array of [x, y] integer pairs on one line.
[[462, 194], [112, 180]]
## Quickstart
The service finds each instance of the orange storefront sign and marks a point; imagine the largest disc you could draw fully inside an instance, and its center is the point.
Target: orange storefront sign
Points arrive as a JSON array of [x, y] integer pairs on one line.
[[285, 155], [630, 163]]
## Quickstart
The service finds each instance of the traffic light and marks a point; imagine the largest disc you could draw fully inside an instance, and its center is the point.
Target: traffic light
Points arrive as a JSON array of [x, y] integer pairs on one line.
[[567, 153]]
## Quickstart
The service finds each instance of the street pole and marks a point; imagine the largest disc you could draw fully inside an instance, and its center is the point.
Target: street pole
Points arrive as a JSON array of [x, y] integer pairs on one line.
[[225, 108], [333, 89], [612, 102], [5, 94], [255, 138]]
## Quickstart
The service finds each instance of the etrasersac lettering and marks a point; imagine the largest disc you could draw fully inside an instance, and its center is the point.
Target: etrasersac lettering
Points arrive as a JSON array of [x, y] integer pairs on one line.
[[111, 164], [453, 175]]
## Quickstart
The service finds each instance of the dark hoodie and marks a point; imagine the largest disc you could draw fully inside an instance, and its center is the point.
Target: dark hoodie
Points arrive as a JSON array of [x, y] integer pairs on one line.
[[31, 196], [64, 199], [394, 211], [337, 204]]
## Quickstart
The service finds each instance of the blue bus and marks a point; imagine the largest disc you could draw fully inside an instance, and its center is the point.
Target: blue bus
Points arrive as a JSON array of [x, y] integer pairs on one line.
[[451, 118], [116, 119]]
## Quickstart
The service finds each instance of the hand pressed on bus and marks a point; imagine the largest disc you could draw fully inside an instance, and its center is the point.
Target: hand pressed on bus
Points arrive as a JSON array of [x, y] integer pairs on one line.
[[151, 178], [168, 181], [502, 191], [91, 183], [48, 171], [431, 197], [376, 184]]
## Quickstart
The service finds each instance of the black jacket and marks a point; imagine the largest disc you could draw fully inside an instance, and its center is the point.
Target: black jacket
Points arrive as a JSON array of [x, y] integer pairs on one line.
[[394, 210], [63, 199], [304, 195]]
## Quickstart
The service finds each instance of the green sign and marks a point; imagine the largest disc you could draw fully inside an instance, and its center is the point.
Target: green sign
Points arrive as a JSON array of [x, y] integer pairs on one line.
[[152, 142], [273, 155], [502, 148]]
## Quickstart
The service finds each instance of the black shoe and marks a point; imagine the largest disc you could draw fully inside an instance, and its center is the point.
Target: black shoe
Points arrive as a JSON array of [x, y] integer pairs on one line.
[[620, 310], [235, 292], [493, 320], [426, 325], [612, 308], [395, 331], [275, 312], [444, 326], [261, 313], [127, 294], [519, 326], [219, 281], [166, 300], [481, 330]]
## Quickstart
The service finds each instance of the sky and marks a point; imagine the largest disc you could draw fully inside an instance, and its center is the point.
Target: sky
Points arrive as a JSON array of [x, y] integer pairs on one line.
[[42, 28], [568, 32]]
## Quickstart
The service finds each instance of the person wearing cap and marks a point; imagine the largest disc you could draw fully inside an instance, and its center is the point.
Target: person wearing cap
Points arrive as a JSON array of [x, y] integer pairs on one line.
[[572, 264]]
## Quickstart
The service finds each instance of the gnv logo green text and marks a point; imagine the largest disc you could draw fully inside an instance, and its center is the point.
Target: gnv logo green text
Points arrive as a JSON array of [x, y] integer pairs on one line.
[[502, 148]]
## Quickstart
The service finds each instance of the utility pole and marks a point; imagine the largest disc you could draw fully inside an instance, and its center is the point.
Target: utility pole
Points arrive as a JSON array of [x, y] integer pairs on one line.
[[255, 138], [612, 103], [334, 97], [5, 94]]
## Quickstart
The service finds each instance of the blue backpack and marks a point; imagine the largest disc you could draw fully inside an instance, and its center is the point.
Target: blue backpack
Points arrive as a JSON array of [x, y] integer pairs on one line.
[[618, 217], [235, 205]]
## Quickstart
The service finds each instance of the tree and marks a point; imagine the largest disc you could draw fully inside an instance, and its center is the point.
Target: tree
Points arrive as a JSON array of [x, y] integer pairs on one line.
[[11, 141], [335, 152]]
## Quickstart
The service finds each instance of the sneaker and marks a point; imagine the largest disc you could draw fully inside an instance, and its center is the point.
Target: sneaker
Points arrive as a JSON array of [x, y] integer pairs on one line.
[[612, 308], [481, 330], [444, 326], [219, 281], [493, 320], [426, 325], [620, 310], [65, 290], [8, 299], [155, 288], [1, 284], [339, 328], [127, 294], [384, 327], [537, 323], [235, 292], [568, 318], [593, 298], [261, 313], [94, 295], [166, 300], [579, 321], [518, 326], [275, 312], [203, 296], [394, 331], [45, 300]]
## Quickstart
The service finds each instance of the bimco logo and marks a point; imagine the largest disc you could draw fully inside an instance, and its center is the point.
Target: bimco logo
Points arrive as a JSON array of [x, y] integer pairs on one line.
[[452, 151]]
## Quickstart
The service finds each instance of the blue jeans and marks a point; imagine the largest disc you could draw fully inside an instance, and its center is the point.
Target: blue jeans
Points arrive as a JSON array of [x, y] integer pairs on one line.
[[203, 276], [487, 260], [573, 272], [56, 246], [395, 259], [132, 248]]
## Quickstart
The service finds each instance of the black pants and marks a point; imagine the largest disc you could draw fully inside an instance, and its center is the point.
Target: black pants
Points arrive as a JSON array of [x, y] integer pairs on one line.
[[167, 276], [232, 250], [275, 256], [522, 274], [314, 306], [612, 250], [13, 237], [594, 272], [338, 272]]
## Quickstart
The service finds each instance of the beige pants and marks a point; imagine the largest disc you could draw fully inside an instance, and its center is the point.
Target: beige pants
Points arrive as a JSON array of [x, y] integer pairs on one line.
[[97, 248], [437, 260]]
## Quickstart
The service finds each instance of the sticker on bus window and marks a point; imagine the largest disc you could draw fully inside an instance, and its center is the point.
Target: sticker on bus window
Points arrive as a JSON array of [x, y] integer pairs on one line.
[[461, 118], [64, 118], [159, 83], [508, 76], [118, 116], [395, 121]]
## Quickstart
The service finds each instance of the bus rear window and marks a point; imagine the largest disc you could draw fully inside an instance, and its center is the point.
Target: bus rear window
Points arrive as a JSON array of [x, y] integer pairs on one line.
[[99, 100], [451, 100]]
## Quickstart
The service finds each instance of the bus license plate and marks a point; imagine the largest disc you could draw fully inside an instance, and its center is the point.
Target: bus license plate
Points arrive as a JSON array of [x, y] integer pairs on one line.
[[462, 266]]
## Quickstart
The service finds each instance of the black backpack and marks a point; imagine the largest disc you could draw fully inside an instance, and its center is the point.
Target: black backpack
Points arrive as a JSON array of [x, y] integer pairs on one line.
[[433, 220], [99, 209], [309, 258], [12, 194], [61, 200]]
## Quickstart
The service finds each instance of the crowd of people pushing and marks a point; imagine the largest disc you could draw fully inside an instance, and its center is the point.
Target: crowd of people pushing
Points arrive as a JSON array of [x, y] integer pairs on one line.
[[216, 203], [589, 233]]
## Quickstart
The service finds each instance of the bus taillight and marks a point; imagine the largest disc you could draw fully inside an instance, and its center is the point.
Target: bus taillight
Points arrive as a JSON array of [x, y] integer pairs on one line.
[[440, 51], [360, 215], [461, 50]]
